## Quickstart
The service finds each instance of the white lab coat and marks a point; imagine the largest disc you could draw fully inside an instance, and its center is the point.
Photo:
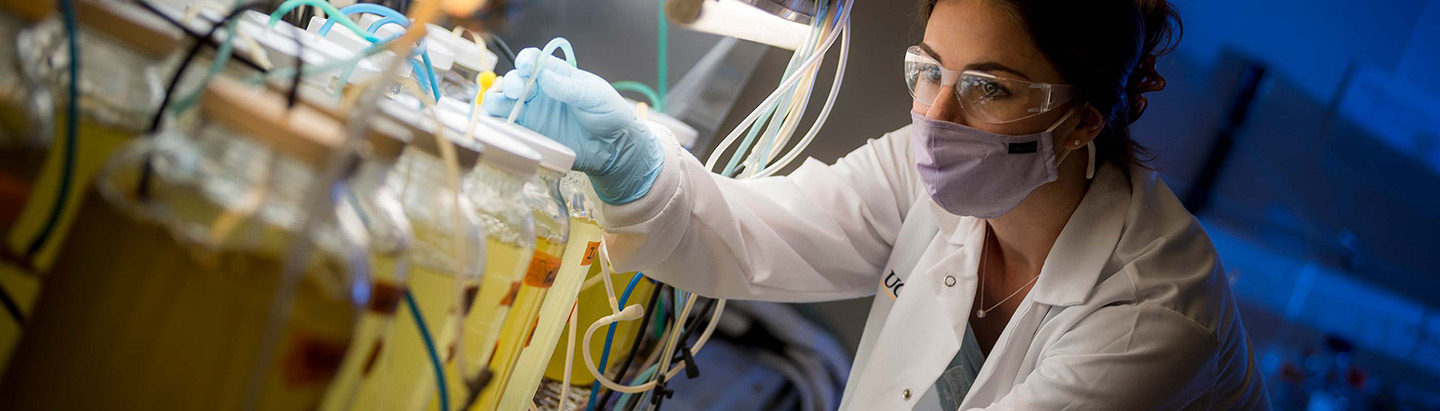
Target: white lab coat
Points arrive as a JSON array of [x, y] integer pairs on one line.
[[1131, 311]]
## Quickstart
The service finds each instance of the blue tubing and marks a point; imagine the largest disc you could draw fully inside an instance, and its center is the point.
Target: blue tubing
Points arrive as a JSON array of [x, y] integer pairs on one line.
[[609, 336]]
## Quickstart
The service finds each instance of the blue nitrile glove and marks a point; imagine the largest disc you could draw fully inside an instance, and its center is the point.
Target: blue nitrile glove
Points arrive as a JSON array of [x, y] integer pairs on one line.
[[581, 111]]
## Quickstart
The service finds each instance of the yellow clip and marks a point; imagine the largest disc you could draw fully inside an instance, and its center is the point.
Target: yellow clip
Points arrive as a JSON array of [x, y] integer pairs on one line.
[[485, 80]]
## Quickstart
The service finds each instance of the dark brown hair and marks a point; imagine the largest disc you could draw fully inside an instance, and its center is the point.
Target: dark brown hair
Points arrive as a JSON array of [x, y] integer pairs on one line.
[[1107, 49]]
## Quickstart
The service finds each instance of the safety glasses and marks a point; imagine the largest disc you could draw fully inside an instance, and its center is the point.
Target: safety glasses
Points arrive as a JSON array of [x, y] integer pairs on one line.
[[983, 96]]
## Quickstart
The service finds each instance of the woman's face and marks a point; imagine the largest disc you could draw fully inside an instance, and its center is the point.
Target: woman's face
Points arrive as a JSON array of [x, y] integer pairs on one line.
[[979, 35]]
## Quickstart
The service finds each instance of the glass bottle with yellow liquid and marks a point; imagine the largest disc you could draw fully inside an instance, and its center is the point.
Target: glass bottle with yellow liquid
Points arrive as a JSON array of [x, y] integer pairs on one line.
[[591, 303], [26, 107], [546, 349], [444, 265], [552, 229], [125, 54], [26, 131], [119, 90], [380, 211], [495, 188], [162, 297]]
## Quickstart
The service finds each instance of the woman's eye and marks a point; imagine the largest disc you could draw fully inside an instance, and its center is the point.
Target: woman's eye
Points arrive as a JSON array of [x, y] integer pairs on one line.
[[932, 74], [989, 89]]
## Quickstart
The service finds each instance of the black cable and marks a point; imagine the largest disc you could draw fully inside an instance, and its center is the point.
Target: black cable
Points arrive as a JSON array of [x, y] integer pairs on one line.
[[197, 36], [305, 14], [505, 50], [634, 345], [693, 325], [146, 171], [12, 308], [299, 64], [190, 57]]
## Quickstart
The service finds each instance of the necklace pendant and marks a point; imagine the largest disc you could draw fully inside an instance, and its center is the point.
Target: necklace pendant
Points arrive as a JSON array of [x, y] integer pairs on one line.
[[980, 314]]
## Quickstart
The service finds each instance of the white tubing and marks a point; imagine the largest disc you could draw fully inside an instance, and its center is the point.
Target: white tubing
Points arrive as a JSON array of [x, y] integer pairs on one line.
[[784, 85], [631, 389], [824, 113]]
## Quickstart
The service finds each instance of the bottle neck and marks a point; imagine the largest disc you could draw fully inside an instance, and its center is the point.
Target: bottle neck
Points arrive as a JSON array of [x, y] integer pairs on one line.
[[246, 167], [122, 92], [494, 181], [550, 180], [421, 180], [542, 196], [575, 189]]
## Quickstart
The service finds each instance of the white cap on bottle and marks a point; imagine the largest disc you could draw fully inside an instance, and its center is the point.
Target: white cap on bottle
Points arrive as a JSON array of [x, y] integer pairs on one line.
[[553, 155], [503, 149], [466, 53], [504, 152]]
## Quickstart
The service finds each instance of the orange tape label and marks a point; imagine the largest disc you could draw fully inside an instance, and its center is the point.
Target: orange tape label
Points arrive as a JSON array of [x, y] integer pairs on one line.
[[509, 299], [542, 271], [592, 251]]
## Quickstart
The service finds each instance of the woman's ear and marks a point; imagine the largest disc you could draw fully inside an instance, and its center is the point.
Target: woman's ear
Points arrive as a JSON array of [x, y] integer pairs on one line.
[[1086, 129]]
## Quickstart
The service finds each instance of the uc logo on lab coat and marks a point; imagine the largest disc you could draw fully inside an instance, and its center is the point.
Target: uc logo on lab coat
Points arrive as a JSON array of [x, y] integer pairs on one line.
[[892, 285]]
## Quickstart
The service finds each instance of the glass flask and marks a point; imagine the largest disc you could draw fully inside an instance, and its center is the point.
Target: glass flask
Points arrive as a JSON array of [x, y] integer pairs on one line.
[[163, 297], [591, 303], [125, 55], [552, 229], [444, 265], [495, 187], [26, 108], [380, 211]]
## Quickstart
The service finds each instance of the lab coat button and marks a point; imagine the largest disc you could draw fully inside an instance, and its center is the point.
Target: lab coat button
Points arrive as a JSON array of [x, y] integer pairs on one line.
[[905, 395], [949, 281]]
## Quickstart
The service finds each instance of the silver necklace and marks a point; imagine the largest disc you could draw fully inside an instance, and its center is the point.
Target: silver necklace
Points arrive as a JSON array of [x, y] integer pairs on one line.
[[981, 313]]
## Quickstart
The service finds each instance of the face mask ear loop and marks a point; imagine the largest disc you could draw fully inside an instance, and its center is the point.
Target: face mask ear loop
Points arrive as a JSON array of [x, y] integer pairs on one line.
[[1089, 146], [1061, 121], [1061, 158], [1090, 171]]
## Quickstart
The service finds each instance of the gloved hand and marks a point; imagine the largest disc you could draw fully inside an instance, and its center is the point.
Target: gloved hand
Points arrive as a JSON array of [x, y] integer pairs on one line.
[[581, 111]]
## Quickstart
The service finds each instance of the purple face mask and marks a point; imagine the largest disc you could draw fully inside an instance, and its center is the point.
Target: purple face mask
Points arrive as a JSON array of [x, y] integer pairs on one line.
[[976, 173]]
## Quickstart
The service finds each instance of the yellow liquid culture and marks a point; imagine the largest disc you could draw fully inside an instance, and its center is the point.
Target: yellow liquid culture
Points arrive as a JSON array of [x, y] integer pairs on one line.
[[96, 142], [443, 273], [28, 203], [387, 290], [182, 322], [19, 167], [505, 265], [545, 341], [400, 376], [542, 272]]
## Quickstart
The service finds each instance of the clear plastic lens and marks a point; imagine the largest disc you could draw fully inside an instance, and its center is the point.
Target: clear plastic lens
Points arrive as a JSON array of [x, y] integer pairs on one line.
[[982, 96], [997, 99]]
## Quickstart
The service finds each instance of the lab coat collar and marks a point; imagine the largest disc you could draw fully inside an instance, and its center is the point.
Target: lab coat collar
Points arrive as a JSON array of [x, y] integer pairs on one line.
[[1086, 243]]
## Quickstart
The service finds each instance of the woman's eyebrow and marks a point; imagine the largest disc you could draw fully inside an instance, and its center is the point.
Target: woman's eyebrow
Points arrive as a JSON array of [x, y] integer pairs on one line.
[[993, 66], [982, 66], [932, 53]]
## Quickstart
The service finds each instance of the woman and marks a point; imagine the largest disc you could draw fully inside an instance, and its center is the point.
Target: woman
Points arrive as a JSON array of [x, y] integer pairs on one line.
[[1021, 254]]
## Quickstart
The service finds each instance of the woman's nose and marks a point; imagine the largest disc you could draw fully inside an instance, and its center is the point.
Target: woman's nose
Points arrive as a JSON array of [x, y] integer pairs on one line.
[[945, 107]]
